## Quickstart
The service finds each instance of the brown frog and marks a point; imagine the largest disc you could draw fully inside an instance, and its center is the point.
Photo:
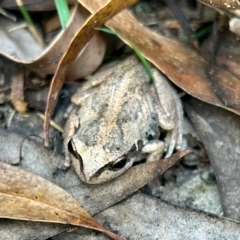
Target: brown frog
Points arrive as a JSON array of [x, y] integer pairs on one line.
[[119, 123]]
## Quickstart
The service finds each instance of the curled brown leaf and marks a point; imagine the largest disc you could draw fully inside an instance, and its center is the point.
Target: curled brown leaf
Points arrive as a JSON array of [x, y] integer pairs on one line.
[[25, 196]]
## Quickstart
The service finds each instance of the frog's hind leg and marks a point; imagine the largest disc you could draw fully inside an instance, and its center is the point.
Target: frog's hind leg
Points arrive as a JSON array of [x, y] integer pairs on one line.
[[170, 114]]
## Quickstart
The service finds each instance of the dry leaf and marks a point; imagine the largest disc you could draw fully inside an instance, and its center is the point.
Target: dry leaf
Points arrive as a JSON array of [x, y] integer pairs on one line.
[[226, 5], [131, 181], [16, 42], [226, 58], [146, 218], [18, 45], [184, 66], [77, 44], [25, 196], [17, 90], [48, 61], [219, 131], [12, 77]]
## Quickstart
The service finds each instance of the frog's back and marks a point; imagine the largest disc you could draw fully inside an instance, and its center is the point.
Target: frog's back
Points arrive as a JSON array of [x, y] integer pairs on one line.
[[121, 111]]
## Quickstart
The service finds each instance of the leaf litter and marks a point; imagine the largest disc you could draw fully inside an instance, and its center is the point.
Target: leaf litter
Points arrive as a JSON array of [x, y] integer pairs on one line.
[[29, 197], [186, 68]]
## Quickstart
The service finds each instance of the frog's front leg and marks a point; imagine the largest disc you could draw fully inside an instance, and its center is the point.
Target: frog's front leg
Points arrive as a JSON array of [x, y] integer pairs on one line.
[[170, 113], [154, 149], [174, 136], [70, 129]]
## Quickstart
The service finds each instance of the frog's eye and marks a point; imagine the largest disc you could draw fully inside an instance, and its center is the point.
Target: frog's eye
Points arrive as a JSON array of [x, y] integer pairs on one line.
[[118, 164]]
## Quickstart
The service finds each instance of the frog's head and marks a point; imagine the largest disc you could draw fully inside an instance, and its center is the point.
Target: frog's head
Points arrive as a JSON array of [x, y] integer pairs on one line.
[[98, 163]]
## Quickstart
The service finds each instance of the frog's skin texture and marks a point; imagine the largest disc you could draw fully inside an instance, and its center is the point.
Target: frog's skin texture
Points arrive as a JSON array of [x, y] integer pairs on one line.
[[119, 123]]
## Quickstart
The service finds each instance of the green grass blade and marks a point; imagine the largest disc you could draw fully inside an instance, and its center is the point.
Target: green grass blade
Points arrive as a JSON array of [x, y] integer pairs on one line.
[[63, 12], [25, 14], [106, 30], [143, 60], [36, 34], [135, 49]]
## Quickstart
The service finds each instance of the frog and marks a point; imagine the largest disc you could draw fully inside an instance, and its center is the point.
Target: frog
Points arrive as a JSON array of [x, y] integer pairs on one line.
[[120, 121]]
